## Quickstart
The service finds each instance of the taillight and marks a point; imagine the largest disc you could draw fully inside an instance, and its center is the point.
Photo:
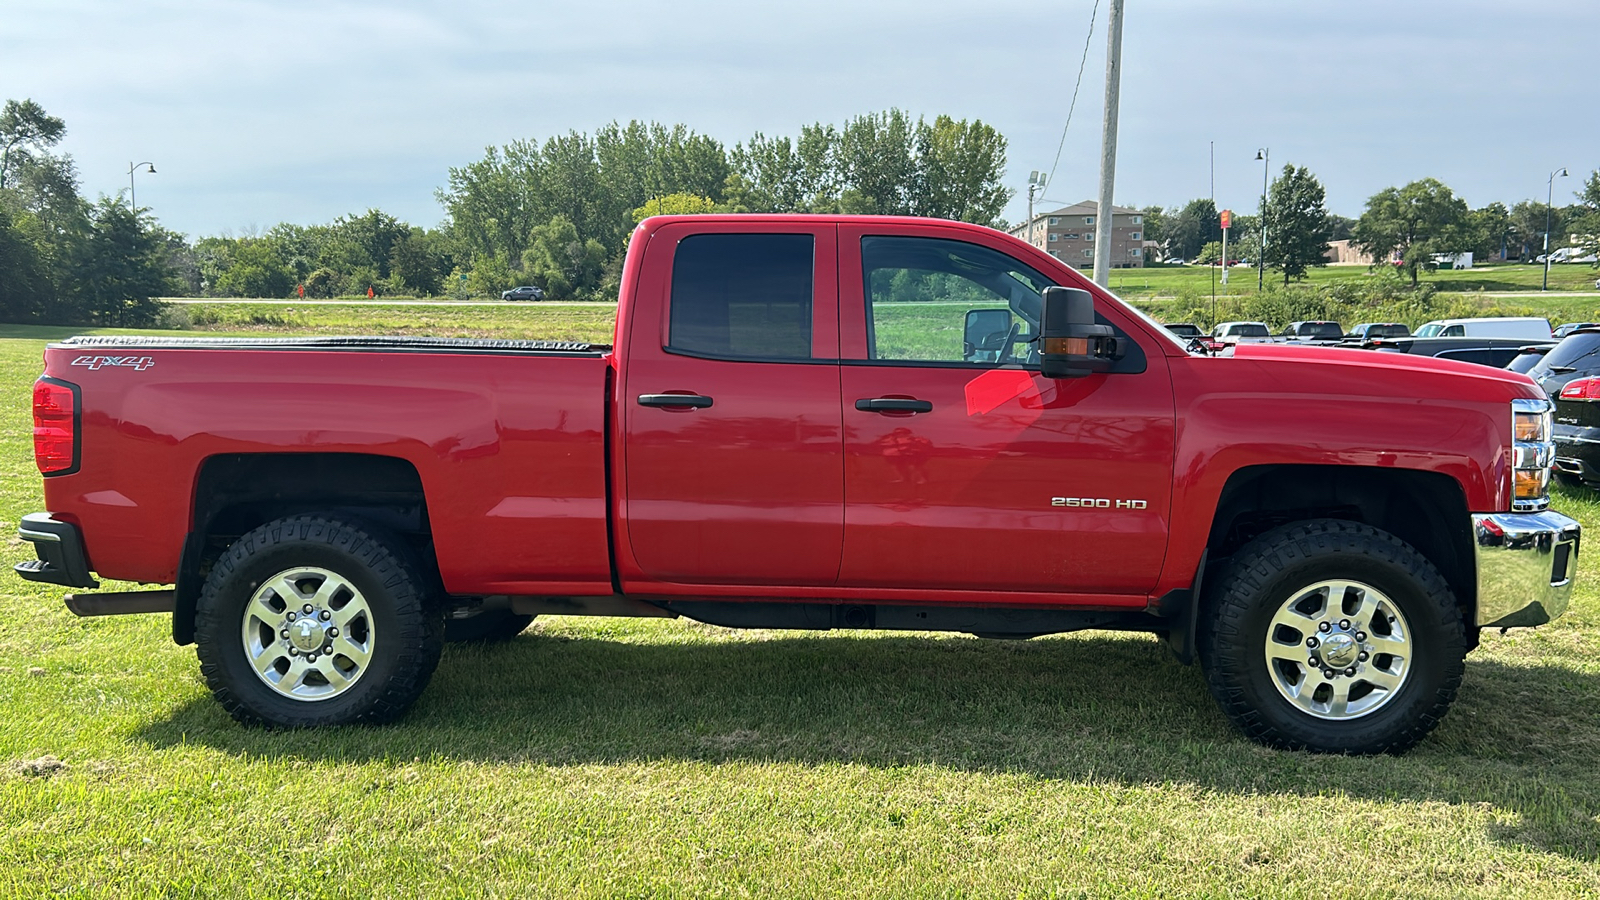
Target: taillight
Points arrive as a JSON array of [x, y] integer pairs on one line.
[[55, 426], [1581, 389]]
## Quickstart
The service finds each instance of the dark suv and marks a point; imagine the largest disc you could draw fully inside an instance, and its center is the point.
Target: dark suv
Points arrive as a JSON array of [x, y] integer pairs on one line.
[[1570, 376], [523, 293], [1371, 331], [1313, 332]]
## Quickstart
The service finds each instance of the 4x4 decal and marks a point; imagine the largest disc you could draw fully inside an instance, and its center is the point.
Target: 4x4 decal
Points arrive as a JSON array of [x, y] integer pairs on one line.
[[137, 363]]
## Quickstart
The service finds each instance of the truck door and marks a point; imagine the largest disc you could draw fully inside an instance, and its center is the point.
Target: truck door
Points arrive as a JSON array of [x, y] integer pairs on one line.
[[965, 469], [732, 445]]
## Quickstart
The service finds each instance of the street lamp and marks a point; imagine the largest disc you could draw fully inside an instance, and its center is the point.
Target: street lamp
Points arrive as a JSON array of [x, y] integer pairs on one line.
[[1036, 181], [1265, 155], [1549, 198], [132, 167]]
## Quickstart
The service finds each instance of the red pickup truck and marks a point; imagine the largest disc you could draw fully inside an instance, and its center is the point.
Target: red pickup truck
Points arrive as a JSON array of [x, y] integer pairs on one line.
[[811, 422]]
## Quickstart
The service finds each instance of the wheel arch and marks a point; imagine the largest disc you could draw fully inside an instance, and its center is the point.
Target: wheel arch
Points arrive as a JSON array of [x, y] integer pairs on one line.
[[236, 492], [1427, 510]]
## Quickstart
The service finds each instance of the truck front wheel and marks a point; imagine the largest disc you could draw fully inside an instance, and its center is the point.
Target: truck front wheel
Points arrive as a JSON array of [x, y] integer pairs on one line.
[[1334, 637], [314, 621]]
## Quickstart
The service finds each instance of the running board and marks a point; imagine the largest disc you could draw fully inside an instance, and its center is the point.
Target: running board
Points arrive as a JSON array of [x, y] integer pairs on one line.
[[119, 603]]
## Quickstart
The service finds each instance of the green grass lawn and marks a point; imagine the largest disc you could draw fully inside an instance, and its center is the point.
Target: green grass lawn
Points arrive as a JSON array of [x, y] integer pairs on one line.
[[652, 758], [1166, 281]]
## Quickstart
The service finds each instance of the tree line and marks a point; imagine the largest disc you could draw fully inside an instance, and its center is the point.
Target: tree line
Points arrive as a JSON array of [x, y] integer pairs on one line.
[[558, 214], [1407, 226]]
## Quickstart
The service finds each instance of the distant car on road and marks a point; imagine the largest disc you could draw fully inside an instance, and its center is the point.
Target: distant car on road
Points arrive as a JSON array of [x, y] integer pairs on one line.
[[523, 293]]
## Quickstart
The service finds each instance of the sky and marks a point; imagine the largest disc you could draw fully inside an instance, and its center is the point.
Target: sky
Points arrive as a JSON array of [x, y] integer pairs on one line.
[[255, 113]]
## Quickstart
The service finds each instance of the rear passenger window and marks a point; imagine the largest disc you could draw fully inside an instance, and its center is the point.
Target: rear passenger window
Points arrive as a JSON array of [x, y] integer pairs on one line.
[[742, 296]]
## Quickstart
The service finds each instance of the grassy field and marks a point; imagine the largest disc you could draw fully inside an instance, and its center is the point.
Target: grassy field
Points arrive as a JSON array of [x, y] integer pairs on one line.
[[635, 758], [1166, 281], [550, 321]]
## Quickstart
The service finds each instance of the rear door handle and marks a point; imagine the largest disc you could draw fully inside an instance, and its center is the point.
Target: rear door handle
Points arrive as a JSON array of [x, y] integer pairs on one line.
[[894, 404], [675, 401]]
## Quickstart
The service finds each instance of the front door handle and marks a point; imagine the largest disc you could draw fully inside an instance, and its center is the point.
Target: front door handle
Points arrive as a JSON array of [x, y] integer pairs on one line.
[[675, 401], [894, 404]]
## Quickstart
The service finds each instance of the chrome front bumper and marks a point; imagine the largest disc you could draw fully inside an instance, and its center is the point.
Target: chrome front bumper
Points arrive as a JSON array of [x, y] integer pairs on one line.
[[1526, 563]]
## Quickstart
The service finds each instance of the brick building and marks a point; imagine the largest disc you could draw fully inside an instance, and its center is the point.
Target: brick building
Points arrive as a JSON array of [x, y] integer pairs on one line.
[[1068, 235]]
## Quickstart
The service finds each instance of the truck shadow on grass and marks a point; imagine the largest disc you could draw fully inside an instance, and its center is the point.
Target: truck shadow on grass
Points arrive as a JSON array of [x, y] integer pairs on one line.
[[1118, 708]]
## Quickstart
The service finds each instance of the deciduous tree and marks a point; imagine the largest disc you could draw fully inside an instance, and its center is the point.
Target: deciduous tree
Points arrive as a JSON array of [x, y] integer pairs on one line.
[[1192, 228], [25, 129], [1296, 223], [1412, 223]]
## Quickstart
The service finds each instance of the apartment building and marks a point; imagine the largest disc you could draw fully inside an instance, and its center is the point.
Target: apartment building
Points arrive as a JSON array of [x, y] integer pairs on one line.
[[1068, 235]]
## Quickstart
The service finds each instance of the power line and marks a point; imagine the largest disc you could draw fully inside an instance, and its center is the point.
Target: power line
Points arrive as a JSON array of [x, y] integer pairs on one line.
[[1093, 14]]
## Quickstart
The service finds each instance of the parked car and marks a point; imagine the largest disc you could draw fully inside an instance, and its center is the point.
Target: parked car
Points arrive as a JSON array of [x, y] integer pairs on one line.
[[1489, 326], [1314, 332], [1325, 531], [1528, 357], [1570, 377], [1241, 332], [1564, 330], [1368, 331], [528, 292], [1495, 352], [1185, 329]]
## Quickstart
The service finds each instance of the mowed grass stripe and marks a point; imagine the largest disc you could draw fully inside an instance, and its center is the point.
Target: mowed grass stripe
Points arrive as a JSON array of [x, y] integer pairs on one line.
[[612, 758]]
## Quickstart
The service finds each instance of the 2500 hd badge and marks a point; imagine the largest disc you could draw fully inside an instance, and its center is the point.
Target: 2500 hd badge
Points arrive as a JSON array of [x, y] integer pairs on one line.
[[1098, 503]]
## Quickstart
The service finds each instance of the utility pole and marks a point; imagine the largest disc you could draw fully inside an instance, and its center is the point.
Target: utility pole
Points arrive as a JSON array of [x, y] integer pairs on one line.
[[1105, 214]]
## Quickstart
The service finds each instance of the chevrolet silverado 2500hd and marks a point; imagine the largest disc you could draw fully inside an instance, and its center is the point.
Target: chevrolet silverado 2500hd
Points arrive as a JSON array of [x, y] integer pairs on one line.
[[811, 422]]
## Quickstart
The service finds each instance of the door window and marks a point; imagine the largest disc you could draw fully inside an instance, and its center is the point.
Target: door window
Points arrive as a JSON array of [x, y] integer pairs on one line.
[[742, 296], [920, 292]]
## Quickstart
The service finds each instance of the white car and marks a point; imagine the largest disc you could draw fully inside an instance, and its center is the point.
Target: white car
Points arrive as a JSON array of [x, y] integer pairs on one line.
[[1241, 333]]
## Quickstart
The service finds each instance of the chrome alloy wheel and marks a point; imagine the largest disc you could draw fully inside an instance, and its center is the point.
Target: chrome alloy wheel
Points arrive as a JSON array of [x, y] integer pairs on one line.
[[308, 633], [1338, 649]]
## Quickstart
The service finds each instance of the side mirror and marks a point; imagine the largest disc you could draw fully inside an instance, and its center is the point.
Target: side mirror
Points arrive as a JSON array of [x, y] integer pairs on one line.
[[984, 336], [1071, 344]]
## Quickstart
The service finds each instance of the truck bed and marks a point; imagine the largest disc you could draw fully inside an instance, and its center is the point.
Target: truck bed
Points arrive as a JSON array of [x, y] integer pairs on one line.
[[507, 439]]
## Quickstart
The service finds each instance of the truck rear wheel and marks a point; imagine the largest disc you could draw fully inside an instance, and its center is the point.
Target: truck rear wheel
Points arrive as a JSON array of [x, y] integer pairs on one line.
[[1334, 637], [315, 621]]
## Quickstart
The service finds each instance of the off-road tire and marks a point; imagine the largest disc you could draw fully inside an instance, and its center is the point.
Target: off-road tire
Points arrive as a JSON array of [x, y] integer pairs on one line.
[[407, 634], [492, 627], [1264, 574]]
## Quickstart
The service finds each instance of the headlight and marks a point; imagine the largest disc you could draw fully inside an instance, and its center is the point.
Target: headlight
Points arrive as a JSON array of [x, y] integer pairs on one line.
[[1532, 453]]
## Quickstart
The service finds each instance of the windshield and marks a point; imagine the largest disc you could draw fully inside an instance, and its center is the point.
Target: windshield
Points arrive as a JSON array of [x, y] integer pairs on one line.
[[1250, 330], [1431, 329], [1321, 330]]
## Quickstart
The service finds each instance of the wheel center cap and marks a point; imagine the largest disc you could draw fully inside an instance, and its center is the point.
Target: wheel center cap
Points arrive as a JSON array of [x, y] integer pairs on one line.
[[1340, 650], [305, 634]]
